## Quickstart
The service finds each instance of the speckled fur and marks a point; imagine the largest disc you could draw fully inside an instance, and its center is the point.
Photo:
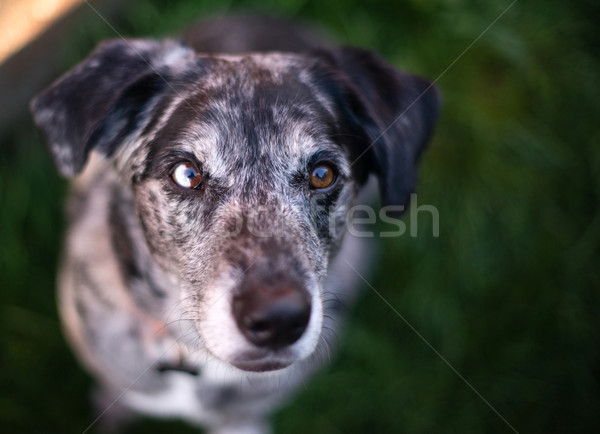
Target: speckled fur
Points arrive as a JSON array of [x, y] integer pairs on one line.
[[150, 269]]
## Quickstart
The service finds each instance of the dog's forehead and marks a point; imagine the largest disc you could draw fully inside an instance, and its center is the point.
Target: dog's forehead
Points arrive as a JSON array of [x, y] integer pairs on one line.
[[259, 109], [253, 68]]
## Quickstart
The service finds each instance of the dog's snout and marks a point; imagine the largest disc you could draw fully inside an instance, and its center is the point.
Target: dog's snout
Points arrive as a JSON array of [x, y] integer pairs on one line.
[[272, 317]]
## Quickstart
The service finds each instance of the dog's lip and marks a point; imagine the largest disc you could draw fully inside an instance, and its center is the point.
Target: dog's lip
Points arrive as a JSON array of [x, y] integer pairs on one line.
[[262, 361], [264, 365]]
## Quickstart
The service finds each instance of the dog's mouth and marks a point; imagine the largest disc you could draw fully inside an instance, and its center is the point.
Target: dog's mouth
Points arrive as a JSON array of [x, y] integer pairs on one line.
[[261, 365], [261, 361]]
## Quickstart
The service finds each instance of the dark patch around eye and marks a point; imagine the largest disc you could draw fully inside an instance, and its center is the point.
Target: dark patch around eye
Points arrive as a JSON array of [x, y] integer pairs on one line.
[[130, 106]]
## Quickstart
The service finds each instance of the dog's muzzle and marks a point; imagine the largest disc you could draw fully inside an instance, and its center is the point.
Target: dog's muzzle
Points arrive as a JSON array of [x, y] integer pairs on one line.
[[264, 308]]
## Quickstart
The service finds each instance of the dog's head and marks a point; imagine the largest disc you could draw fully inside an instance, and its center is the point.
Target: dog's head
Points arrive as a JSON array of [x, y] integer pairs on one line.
[[242, 170]]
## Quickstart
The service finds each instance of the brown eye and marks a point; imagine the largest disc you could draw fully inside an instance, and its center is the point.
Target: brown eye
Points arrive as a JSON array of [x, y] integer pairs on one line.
[[186, 175], [322, 176]]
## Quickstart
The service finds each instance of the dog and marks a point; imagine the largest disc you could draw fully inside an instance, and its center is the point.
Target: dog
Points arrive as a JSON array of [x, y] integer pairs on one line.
[[207, 262]]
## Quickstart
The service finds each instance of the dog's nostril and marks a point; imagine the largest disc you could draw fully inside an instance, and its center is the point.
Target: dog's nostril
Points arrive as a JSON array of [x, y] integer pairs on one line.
[[270, 318], [258, 326]]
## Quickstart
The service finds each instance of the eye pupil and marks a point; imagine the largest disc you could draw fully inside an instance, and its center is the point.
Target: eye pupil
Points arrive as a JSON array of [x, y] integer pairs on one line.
[[190, 174], [321, 173], [186, 175], [322, 176]]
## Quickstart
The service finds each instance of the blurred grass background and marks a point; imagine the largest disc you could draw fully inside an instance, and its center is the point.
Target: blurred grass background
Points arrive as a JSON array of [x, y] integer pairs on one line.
[[509, 293]]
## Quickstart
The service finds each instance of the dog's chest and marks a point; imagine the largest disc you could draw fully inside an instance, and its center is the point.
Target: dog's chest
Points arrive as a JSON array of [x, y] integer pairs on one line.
[[181, 397], [204, 398]]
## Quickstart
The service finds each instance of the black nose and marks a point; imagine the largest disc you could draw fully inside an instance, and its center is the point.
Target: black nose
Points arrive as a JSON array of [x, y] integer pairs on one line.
[[272, 317]]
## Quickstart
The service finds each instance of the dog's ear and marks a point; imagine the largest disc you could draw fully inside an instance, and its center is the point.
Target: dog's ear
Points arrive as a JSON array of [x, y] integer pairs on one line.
[[393, 112], [101, 102]]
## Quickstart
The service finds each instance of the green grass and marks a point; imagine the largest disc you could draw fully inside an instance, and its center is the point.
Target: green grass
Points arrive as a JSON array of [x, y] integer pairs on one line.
[[509, 293]]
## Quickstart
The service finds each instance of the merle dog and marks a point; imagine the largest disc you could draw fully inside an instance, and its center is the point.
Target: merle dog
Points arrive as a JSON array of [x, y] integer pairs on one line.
[[206, 257]]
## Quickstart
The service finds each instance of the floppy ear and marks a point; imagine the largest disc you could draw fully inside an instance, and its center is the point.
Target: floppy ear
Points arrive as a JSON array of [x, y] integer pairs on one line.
[[394, 112], [101, 102]]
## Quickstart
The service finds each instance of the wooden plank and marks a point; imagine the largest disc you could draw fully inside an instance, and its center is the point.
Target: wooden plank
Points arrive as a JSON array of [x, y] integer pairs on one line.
[[34, 66]]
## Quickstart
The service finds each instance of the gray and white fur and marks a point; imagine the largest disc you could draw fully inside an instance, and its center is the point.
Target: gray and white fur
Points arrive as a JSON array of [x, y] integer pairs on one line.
[[160, 286]]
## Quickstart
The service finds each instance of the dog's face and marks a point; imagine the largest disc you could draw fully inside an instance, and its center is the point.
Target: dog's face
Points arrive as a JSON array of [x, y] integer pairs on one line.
[[242, 170], [236, 191]]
